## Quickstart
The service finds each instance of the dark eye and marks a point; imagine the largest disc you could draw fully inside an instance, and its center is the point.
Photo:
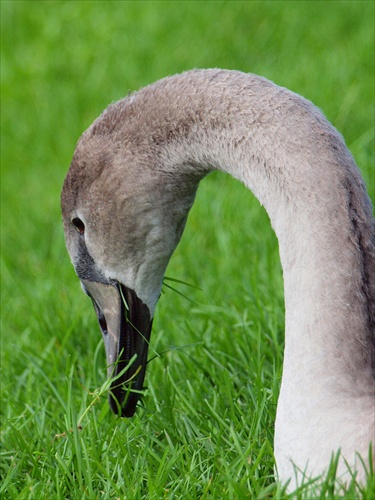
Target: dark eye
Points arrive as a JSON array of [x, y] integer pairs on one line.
[[79, 225]]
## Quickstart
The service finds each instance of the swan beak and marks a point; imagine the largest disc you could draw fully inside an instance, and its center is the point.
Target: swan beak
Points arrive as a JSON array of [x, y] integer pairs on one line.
[[126, 324]]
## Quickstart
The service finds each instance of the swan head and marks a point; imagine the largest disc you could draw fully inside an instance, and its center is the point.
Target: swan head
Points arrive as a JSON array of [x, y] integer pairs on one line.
[[123, 217]]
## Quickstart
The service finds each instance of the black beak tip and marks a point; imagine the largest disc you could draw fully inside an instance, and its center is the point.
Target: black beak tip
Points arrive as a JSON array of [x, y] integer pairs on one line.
[[123, 404], [128, 413], [117, 409]]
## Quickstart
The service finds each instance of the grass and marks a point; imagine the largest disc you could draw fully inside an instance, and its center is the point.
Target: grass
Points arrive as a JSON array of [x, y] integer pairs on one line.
[[206, 426]]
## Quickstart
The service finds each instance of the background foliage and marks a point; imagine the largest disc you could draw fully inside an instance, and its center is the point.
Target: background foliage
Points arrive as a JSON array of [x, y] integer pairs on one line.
[[206, 428]]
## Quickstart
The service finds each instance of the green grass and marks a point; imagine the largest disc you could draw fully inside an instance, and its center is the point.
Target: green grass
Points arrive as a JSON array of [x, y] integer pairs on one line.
[[206, 426]]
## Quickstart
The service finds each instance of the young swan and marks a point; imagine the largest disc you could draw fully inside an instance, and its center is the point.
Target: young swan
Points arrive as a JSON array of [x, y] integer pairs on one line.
[[125, 201]]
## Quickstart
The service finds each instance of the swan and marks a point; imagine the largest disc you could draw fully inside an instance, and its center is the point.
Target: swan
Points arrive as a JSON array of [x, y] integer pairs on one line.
[[125, 201]]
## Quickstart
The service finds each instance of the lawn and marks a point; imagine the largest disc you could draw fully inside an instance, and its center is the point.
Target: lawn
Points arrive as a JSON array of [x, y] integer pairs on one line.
[[205, 427]]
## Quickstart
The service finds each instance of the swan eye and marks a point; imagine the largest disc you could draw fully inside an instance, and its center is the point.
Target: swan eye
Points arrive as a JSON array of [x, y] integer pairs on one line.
[[79, 225]]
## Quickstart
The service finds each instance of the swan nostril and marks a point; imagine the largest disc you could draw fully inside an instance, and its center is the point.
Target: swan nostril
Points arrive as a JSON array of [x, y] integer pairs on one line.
[[102, 323], [79, 225]]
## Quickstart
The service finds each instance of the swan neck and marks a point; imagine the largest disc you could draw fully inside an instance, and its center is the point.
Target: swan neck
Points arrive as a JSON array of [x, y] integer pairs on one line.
[[300, 169]]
